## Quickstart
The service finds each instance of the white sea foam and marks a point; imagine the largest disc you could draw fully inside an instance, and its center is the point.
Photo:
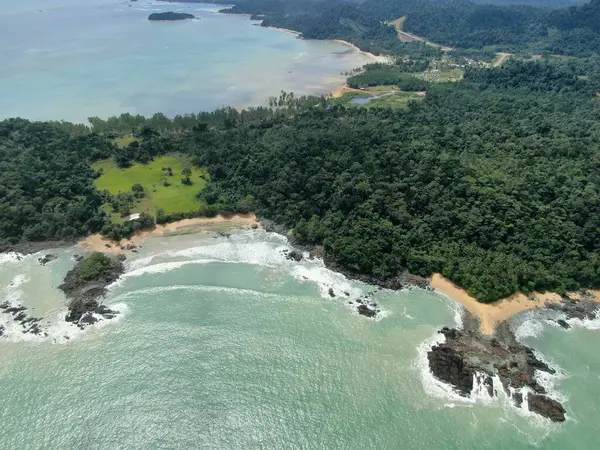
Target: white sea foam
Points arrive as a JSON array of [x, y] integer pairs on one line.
[[590, 324], [18, 280], [266, 250], [11, 257], [479, 394], [529, 327], [55, 329], [232, 250], [164, 267], [197, 288], [431, 384]]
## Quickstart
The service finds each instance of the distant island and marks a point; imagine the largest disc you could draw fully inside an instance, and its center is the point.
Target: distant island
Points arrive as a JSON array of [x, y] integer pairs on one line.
[[170, 16]]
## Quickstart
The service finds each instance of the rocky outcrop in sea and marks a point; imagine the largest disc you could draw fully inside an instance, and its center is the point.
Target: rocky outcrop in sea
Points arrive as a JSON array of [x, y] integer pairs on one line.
[[85, 285], [20, 315], [467, 358]]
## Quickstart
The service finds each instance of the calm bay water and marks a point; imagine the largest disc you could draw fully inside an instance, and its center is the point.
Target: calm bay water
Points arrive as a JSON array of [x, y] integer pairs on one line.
[[71, 59], [225, 344]]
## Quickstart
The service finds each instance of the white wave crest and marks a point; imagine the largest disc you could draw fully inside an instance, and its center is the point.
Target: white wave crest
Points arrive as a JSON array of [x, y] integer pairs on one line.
[[530, 327], [11, 257], [164, 267], [590, 324], [479, 394], [55, 329]]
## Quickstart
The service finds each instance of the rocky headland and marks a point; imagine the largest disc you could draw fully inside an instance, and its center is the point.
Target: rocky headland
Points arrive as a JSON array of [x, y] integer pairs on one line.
[[170, 16], [468, 357], [85, 285], [364, 305]]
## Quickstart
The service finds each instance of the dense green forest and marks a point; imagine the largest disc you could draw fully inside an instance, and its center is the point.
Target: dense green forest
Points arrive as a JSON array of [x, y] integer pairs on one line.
[[493, 181], [387, 75], [515, 26], [46, 181]]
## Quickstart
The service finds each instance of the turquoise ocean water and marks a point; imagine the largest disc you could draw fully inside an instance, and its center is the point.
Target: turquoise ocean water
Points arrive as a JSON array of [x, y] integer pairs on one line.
[[72, 59], [223, 343]]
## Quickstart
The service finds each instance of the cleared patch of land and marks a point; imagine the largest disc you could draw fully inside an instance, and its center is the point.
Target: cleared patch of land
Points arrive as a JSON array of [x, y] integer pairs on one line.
[[404, 36], [398, 23], [500, 58], [124, 141], [389, 97], [176, 197], [442, 76]]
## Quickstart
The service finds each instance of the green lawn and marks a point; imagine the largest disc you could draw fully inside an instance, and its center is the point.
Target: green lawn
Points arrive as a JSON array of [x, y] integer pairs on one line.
[[174, 198], [124, 141], [399, 99], [443, 76]]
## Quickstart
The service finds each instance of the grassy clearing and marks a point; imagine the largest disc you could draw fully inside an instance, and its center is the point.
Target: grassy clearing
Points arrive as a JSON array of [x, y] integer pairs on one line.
[[443, 76], [398, 23], [396, 101], [124, 141], [399, 99], [177, 197]]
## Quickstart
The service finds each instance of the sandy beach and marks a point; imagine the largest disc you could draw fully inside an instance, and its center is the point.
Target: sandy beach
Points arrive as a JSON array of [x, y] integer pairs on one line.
[[491, 314], [345, 88], [98, 243], [380, 59], [285, 30], [375, 58]]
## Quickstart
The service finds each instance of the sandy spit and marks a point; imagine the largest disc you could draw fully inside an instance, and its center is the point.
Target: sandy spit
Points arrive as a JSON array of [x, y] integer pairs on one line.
[[380, 59], [98, 243], [285, 30], [490, 314]]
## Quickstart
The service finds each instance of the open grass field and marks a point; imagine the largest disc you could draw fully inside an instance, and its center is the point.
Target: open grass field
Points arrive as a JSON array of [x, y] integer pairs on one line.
[[124, 141], [443, 76], [396, 101], [394, 98], [177, 197]]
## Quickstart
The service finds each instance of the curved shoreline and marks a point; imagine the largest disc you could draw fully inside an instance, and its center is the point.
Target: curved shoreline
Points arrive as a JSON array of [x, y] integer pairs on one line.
[[98, 243], [492, 314], [376, 58]]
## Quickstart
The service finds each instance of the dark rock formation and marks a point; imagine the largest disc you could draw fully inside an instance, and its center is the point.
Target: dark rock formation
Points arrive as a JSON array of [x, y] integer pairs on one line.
[[170, 16], [546, 407], [576, 309], [29, 324], [331, 293], [563, 324], [400, 281], [46, 259], [86, 283], [366, 311], [468, 354], [294, 255]]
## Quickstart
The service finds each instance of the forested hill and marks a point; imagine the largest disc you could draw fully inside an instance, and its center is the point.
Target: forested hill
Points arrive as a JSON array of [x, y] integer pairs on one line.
[[493, 181], [526, 27]]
